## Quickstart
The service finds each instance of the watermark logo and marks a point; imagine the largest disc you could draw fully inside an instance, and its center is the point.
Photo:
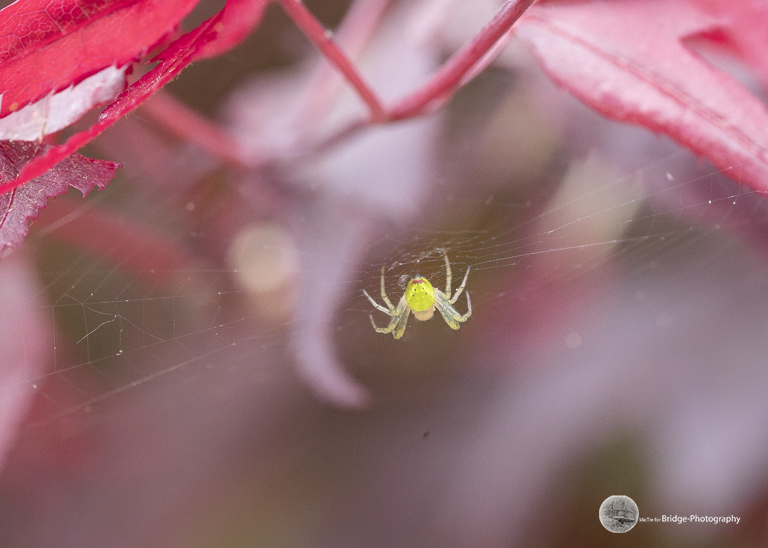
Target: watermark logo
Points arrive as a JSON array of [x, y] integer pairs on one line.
[[619, 513], [697, 519]]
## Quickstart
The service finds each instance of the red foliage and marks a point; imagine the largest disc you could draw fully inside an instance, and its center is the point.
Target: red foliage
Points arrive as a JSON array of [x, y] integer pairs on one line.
[[629, 61], [177, 56], [49, 45], [123, 242], [626, 59], [211, 37], [22, 204]]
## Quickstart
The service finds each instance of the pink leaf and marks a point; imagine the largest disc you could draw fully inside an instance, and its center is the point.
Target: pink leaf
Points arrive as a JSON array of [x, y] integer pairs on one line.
[[22, 204], [48, 45], [628, 60]]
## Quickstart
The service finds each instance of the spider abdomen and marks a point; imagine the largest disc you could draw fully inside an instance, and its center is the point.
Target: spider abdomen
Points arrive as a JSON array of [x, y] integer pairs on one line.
[[420, 296], [424, 315]]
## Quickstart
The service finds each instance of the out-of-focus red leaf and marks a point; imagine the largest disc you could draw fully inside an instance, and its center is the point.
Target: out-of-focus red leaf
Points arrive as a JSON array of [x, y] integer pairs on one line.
[[25, 339], [745, 31], [175, 117], [628, 60], [132, 247], [48, 45], [22, 204], [238, 19], [172, 60]]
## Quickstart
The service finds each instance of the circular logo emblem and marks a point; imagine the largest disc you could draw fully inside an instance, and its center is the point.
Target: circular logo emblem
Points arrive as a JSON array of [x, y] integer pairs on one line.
[[618, 514]]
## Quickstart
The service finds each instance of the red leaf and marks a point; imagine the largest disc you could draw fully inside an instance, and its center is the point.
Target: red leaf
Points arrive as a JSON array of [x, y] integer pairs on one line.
[[628, 60], [238, 19], [128, 244], [180, 53], [22, 204], [48, 45], [56, 111]]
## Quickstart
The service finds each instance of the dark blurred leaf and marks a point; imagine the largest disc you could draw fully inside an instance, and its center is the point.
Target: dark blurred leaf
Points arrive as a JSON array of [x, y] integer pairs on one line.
[[22, 204]]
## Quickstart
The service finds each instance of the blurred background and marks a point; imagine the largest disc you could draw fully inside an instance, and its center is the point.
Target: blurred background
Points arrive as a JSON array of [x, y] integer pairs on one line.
[[199, 365]]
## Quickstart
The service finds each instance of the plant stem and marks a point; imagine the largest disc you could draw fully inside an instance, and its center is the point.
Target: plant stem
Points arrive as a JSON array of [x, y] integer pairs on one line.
[[185, 123], [322, 38], [452, 74]]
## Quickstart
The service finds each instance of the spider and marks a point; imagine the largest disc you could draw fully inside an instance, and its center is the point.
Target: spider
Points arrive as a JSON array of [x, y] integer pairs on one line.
[[422, 298]]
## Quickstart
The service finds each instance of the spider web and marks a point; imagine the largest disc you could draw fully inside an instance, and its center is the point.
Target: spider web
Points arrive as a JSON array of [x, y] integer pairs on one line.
[[159, 344], [113, 333]]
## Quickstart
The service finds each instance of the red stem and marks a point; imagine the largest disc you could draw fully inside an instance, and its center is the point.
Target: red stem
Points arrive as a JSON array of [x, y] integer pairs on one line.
[[454, 73], [322, 39], [188, 125], [353, 35], [451, 74]]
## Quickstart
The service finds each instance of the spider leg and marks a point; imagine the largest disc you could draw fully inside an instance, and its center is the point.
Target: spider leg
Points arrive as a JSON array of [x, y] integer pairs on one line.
[[385, 330], [384, 293], [461, 287], [449, 314], [466, 316], [402, 322], [447, 273], [378, 306], [398, 322]]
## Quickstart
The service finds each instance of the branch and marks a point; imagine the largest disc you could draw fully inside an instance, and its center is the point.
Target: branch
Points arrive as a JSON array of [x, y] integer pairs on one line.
[[353, 34], [322, 38], [185, 123], [452, 74]]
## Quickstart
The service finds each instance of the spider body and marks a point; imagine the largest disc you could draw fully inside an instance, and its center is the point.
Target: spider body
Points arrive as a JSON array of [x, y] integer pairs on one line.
[[422, 299]]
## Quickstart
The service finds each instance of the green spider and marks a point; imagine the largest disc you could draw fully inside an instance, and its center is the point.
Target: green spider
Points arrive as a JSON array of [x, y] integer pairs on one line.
[[422, 298]]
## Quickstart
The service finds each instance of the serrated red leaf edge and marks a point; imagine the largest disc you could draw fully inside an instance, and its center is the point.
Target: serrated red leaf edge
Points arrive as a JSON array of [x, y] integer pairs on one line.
[[22, 205]]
